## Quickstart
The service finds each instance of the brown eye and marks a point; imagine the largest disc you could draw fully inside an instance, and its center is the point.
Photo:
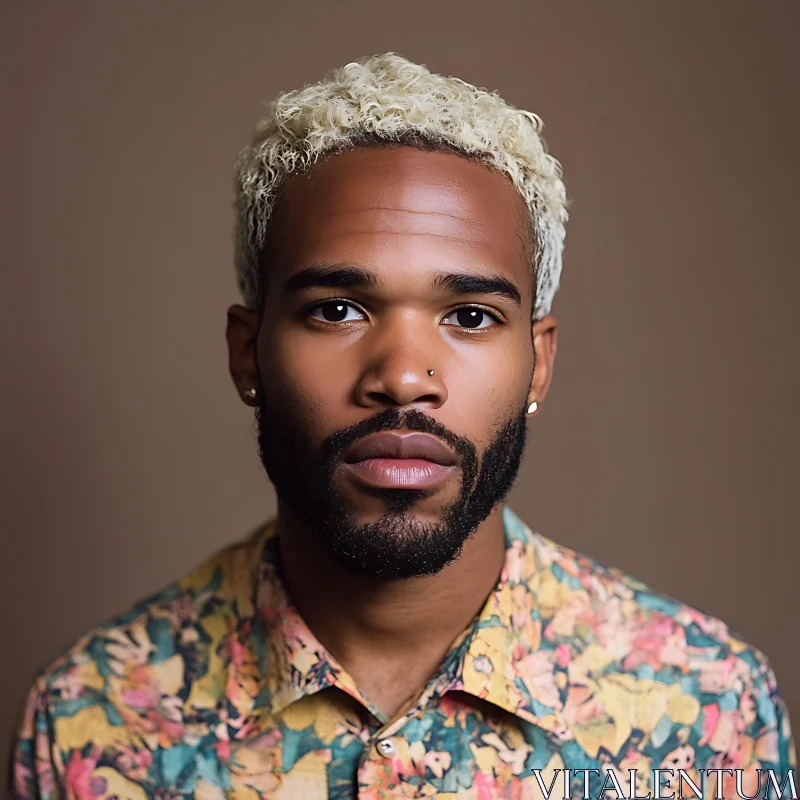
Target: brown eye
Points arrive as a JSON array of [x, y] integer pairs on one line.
[[471, 317], [336, 311]]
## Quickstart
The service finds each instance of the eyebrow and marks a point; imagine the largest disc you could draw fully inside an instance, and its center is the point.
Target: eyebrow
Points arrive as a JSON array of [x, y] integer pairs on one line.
[[348, 276], [341, 276], [465, 283]]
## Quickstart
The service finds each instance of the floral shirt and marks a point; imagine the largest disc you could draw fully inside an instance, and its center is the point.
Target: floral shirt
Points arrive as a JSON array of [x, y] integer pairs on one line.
[[216, 688]]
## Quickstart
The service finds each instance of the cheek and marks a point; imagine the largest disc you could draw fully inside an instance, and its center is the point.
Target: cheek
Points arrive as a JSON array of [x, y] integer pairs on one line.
[[485, 389], [499, 372], [302, 380]]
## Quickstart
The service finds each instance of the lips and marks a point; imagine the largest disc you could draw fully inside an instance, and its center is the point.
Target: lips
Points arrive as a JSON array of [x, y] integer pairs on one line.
[[418, 446], [400, 461]]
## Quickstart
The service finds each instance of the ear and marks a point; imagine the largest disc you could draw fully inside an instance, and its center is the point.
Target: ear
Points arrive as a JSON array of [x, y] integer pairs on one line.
[[545, 342], [241, 333]]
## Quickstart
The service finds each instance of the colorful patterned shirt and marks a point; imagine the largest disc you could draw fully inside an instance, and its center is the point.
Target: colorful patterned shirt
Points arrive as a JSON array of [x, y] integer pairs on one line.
[[216, 688]]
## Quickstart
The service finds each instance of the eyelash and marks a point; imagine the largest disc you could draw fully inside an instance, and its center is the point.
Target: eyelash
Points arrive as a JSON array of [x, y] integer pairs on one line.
[[351, 304]]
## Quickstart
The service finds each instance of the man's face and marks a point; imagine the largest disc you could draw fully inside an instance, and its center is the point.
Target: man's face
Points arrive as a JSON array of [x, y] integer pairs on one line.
[[385, 264]]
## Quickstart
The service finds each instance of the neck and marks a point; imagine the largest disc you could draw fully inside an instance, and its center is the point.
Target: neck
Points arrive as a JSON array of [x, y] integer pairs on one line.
[[367, 623]]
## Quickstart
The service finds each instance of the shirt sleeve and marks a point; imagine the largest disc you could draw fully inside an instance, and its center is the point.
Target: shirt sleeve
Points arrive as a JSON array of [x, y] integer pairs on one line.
[[36, 768], [773, 745]]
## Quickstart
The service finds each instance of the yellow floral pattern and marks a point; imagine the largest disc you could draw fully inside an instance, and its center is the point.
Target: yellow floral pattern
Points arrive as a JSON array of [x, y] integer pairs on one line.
[[216, 689]]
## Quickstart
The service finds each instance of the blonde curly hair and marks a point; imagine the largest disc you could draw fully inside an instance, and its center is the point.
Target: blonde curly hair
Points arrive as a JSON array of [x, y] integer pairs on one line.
[[386, 99]]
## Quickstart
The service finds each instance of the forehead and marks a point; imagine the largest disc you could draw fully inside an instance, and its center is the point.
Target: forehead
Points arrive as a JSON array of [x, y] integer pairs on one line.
[[428, 209]]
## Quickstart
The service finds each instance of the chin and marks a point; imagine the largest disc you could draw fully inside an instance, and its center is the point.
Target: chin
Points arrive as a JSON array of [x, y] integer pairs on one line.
[[369, 505]]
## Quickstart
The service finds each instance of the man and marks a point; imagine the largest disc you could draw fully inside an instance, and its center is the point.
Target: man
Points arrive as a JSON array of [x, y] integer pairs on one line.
[[397, 631]]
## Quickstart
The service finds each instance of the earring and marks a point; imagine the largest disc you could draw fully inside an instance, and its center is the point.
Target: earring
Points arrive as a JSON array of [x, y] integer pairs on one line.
[[251, 393], [532, 407]]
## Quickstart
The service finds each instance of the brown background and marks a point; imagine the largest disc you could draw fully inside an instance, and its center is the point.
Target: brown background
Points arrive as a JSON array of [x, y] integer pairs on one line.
[[668, 444]]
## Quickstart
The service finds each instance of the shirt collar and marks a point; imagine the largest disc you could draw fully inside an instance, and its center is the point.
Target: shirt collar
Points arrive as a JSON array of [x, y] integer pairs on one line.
[[505, 664], [275, 659]]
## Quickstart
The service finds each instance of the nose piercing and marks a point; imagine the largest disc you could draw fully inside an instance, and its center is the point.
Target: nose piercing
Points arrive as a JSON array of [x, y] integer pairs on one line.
[[430, 372]]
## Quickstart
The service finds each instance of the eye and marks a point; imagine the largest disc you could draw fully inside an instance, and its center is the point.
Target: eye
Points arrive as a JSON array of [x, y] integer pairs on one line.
[[471, 317], [337, 311]]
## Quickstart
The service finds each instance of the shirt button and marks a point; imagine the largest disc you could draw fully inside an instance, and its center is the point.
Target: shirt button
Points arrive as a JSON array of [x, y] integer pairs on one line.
[[386, 747]]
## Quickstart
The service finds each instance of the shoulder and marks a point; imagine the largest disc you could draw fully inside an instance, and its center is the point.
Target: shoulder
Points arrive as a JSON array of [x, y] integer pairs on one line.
[[129, 682], [169, 623], [679, 676], [641, 629]]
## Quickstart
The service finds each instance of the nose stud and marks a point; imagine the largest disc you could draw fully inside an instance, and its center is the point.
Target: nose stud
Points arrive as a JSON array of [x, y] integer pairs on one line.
[[430, 372]]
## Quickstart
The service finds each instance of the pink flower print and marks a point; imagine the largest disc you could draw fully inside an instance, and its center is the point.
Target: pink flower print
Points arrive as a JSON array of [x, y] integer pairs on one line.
[[727, 728], [738, 753], [717, 677], [536, 672], [714, 628], [649, 642], [142, 695], [223, 749], [710, 718], [168, 732], [485, 785], [78, 777]]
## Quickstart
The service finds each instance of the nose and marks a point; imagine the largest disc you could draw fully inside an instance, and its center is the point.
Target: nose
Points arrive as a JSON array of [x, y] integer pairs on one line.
[[397, 362]]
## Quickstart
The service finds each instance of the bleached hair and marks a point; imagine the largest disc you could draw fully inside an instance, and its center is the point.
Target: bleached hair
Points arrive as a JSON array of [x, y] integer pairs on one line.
[[388, 99]]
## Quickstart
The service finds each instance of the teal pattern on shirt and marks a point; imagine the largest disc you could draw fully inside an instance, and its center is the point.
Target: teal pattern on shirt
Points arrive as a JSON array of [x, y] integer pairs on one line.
[[216, 689]]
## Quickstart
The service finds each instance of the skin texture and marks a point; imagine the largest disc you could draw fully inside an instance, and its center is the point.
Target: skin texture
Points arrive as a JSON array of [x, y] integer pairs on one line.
[[404, 216]]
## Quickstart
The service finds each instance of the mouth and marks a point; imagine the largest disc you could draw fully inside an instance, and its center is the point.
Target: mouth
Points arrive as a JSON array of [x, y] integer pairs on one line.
[[389, 460]]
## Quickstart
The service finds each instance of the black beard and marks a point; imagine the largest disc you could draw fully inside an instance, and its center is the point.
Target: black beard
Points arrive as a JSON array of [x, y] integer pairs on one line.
[[398, 545]]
